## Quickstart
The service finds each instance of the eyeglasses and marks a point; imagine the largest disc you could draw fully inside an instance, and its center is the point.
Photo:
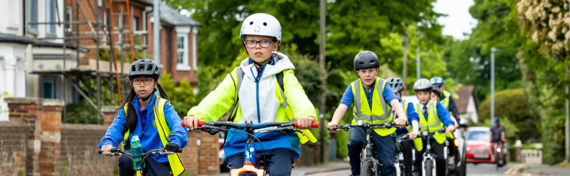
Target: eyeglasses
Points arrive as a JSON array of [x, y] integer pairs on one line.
[[263, 43], [147, 81]]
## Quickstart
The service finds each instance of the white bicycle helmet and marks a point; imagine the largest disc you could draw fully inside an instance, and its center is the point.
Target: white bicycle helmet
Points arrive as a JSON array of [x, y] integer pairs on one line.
[[422, 84], [261, 24]]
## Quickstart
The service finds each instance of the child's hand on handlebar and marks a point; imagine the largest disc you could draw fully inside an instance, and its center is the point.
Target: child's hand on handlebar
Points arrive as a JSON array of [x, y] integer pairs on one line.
[[413, 135], [332, 125], [191, 122], [305, 122], [449, 129], [401, 122], [106, 149]]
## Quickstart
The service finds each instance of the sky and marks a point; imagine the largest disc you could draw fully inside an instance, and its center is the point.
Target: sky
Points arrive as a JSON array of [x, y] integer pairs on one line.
[[458, 20]]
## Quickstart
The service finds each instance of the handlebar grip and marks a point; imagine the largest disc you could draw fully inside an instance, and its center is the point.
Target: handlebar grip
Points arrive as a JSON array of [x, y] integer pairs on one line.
[[178, 151], [114, 150], [200, 123], [313, 125], [100, 151]]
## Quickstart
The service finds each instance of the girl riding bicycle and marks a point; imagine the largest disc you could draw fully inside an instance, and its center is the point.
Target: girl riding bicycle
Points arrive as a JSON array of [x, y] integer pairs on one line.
[[147, 114], [263, 89]]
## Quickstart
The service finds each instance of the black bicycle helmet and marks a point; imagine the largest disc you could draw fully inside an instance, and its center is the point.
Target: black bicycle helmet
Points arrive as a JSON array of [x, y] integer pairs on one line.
[[422, 84], [144, 67], [396, 84], [437, 92], [366, 59]]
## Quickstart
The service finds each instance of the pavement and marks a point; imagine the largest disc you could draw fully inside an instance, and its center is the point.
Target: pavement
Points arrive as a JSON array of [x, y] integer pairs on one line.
[[306, 170], [547, 170]]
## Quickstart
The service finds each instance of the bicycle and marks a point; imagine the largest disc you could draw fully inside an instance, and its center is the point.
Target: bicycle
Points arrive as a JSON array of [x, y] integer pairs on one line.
[[249, 160], [141, 169], [399, 160], [428, 162], [369, 165], [497, 150]]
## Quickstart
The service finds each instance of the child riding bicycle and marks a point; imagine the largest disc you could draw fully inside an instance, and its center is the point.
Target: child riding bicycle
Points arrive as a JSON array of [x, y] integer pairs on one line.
[[263, 89], [373, 101], [147, 113]]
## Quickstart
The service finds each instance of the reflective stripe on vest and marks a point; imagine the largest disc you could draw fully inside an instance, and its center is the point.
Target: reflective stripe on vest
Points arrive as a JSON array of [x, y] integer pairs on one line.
[[282, 100], [163, 129], [360, 97], [433, 122], [379, 113]]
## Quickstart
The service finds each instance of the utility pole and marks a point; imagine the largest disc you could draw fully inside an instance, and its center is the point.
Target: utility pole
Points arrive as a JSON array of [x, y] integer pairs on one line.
[[156, 32], [323, 67], [405, 64], [493, 51], [418, 61]]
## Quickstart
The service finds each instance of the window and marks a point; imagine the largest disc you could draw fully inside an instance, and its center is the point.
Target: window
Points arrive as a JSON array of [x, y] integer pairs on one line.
[[33, 14], [180, 49], [48, 90], [50, 16], [69, 18], [478, 135], [182, 52]]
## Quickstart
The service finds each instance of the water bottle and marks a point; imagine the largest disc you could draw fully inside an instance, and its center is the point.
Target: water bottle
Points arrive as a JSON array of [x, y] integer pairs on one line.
[[137, 152]]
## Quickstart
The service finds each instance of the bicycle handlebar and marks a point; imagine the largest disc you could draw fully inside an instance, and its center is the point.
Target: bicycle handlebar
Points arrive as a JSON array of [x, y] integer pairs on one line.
[[252, 125], [345, 127], [117, 152]]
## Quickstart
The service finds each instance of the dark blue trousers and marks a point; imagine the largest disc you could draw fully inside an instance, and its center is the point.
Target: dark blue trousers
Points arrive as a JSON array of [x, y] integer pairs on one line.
[[385, 149], [279, 162], [153, 167]]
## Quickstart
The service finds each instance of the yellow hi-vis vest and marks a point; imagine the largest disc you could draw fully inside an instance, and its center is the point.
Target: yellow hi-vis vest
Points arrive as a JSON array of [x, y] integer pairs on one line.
[[433, 123], [445, 103], [176, 166], [280, 95], [379, 113]]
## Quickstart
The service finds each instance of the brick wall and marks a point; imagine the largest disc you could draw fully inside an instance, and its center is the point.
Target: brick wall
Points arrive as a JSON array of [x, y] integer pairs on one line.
[[35, 142], [13, 147], [78, 150]]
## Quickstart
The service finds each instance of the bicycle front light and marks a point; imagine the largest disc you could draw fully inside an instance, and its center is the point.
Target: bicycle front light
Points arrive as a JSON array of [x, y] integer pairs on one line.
[[498, 149], [456, 141]]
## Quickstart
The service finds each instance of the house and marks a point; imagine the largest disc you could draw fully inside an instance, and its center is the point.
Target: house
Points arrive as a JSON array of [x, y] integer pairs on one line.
[[178, 45], [467, 103], [52, 47]]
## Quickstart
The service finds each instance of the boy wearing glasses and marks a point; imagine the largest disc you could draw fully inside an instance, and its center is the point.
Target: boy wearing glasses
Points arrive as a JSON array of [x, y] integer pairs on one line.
[[263, 89]]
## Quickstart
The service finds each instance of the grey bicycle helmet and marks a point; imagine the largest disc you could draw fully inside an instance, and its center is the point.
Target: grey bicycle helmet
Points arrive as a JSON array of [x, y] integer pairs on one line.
[[366, 59], [144, 67], [422, 84], [396, 84]]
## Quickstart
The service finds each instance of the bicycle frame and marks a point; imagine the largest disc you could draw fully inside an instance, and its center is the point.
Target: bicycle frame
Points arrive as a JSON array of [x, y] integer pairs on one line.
[[429, 155], [369, 152]]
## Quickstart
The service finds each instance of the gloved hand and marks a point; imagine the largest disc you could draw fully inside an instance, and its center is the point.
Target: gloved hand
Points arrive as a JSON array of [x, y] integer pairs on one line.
[[171, 147]]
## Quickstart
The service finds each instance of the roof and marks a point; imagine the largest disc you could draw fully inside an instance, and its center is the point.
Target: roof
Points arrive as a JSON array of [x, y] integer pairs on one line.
[[465, 92], [173, 17], [11, 38]]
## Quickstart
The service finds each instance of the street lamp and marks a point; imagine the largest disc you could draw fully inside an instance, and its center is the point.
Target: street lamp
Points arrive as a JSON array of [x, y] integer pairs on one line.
[[493, 51]]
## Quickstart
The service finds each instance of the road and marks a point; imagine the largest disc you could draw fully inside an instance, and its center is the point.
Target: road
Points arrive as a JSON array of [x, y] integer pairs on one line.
[[472, 170]]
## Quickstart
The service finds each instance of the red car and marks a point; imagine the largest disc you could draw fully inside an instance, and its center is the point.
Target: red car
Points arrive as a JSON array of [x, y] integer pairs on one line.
[[479, 145]]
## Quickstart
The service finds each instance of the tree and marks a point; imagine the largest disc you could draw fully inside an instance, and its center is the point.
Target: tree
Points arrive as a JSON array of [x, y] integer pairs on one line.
[[517, 113], [469, 61]]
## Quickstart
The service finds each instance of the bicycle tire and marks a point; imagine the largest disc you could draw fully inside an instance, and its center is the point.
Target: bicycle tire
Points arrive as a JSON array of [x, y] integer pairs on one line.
[[429, 168], [366, 168]]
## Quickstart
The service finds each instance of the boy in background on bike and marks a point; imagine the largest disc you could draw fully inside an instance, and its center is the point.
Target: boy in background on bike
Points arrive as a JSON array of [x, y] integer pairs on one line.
[[137, 117], [437, 95], [254, 87], [407, 145], [433, 116], [373, 101]]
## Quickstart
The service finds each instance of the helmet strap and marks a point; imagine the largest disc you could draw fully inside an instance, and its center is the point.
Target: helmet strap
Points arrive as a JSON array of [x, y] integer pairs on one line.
[[148, 97]]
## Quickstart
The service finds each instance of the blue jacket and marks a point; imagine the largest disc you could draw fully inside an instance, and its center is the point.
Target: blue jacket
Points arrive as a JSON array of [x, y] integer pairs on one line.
[[412, 116], [151, 138]]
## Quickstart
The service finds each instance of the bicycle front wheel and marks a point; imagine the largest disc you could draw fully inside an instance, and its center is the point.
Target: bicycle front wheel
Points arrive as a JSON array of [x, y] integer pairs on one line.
[[429, 168], [368, 168]]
